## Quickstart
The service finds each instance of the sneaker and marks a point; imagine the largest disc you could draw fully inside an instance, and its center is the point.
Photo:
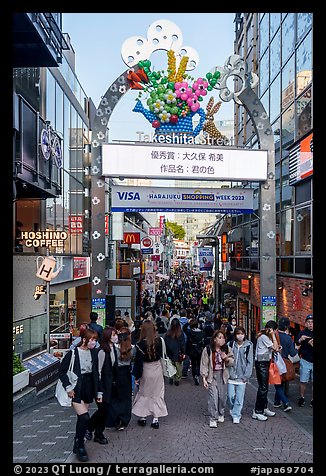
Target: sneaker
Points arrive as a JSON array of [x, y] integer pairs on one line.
[[212, 423], [311, 403], [89, 435], [277, 404], [220, 419], [259, 416], [268, 412], [301, 402], [236, 420], [196, 380], [287, 407]]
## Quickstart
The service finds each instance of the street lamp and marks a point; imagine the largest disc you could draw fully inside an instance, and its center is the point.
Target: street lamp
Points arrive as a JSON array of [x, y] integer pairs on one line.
[[215, 243]]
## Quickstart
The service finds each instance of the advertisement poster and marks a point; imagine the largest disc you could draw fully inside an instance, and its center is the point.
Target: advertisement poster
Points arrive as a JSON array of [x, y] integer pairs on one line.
[[206, 258], [98, 305], [269, 309]]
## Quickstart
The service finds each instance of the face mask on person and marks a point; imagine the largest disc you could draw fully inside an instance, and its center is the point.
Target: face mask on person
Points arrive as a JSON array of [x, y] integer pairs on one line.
[[91, 344], [114, 339], [240, 337], [233, 323]]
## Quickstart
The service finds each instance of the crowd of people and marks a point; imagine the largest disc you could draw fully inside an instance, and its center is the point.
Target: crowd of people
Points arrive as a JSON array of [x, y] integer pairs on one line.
[[119, 367]]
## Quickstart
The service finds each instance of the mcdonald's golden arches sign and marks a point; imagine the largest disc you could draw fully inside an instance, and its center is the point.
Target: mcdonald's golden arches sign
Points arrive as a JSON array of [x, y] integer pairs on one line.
[[131, 238]]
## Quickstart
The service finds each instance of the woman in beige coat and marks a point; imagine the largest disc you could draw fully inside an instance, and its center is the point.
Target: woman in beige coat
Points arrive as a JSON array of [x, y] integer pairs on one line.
[[215, 360]]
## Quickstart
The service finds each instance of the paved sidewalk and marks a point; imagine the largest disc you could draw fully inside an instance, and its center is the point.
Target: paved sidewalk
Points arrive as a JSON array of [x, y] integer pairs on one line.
[[44, 433]]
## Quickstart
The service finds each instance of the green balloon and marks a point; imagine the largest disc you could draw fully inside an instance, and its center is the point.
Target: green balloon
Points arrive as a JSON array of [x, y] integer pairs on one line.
[[149, 101], [209, 75], [147, 63], [161, 89], [174, 110], [171, 85], [213, 82], [154, 95], [141, 64], [217, 74], [209, 88], [164, 80], [200, 98]]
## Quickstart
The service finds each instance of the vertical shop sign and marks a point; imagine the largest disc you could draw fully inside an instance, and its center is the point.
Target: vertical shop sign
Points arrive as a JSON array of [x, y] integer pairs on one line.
[[98, 305], [75, 224], [81, 267], [269, 309], [224, 248]]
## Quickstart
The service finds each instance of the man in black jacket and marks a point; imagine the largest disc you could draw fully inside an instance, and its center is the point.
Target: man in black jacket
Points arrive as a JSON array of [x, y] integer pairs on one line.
[[93, 325]]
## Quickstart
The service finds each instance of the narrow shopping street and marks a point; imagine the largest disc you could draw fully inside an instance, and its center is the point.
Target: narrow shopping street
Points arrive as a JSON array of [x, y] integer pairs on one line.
[[44, 433]]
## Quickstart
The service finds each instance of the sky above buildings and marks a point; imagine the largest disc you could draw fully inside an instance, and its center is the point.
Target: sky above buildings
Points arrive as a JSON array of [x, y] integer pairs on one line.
[[97, 39]]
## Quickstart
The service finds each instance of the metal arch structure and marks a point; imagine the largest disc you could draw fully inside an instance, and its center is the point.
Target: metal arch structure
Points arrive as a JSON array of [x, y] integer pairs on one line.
[[236, 66], [98, 260]]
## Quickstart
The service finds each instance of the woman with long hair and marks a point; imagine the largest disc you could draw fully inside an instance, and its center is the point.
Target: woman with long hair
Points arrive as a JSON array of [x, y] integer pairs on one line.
[[86, 389], [266, 343], [149, 400], [107, 365], [175, 348], [119, 411], [216, 358]]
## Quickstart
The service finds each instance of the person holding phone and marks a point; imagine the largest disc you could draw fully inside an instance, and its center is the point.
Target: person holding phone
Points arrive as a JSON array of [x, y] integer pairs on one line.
[[215, 360]]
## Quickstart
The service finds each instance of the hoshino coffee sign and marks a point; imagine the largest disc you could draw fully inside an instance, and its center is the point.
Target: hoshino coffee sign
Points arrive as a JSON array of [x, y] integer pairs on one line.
[[44, 238]]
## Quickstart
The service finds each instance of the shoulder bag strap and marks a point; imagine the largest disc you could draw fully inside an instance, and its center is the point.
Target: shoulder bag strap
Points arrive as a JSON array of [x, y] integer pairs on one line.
[[72, 361], [163, 347]]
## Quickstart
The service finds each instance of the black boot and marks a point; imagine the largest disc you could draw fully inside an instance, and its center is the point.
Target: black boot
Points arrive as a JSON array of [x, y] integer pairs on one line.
[[81, 451], [74, 450]]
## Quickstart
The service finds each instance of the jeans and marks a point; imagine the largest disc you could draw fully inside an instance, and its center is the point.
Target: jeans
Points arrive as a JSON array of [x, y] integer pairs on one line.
[[262, 369], [236, 395], [280, 395]]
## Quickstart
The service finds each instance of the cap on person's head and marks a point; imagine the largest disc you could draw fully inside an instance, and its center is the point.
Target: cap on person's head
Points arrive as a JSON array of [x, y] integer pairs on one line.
[[310, 316], [283, 323]]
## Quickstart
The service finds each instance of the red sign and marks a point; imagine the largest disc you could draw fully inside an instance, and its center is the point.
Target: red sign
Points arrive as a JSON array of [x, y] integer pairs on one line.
[[245, 286], [162, 217], [131, 238], [224, 250], [155, 257], [155, 231], [106, 231], [147, 242], [75, 224], [81, 268]]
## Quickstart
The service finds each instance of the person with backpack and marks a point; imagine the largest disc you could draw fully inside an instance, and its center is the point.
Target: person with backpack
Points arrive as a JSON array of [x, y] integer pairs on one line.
[[208, 327], [216, 359], [240, 372]]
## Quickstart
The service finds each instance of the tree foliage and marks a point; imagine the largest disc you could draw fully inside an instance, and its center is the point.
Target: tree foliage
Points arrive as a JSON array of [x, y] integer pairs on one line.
[[177, 230]]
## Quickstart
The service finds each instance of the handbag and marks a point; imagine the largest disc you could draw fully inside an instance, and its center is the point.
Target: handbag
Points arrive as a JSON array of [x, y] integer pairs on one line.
[[278, 359], [290, 371], [169, 370], [295, 359], [274, 377], [60, 392]]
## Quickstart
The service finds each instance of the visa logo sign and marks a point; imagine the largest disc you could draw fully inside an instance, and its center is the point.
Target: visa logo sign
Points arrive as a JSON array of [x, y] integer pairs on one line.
[[128, 195]]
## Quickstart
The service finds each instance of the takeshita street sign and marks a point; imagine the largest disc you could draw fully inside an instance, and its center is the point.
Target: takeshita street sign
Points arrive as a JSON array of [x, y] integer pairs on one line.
[[180, 162]]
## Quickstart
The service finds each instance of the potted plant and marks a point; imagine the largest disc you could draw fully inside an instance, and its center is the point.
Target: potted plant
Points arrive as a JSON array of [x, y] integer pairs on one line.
[[20, 374]]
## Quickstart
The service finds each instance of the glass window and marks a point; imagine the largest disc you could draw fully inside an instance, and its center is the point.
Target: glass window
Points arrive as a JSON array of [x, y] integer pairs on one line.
[[275, 56], [59, 109], [28, 218], [286, 236], [264, 72], [303, 266], [288, 126], [304, 64], [288, 83], [288, 37], [277, 239], [277, 139], [303, 192], [286, 265], [274, 20], [277, 186], [50, 98], [263, 34], [303, 116], [303, 230], [304, 22], [265, 101], [287, 191], [275, 99]]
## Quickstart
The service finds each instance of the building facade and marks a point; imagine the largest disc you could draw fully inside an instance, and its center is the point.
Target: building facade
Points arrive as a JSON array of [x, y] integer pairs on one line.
[[51, 128], [278, 47]]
